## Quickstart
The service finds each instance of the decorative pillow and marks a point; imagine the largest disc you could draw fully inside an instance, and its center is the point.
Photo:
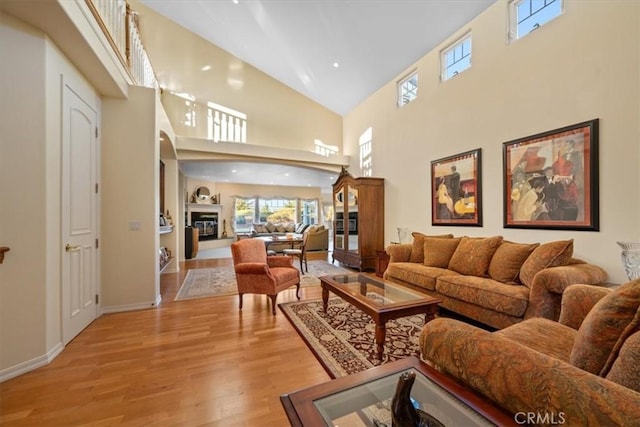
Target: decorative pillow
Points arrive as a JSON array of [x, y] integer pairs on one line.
[[259, 228], [473, 255], [312, 229], [506, 262], [438, 251], [417, 249], [280, 228], [606, 327], [552, 254], [625, 368], [270, 227], [300, 228], [320, 227]]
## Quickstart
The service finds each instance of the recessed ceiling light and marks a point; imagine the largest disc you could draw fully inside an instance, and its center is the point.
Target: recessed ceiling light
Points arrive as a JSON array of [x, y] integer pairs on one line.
[[286, 174], [336, 65], [233, 171], [206, 68], [235, 1]]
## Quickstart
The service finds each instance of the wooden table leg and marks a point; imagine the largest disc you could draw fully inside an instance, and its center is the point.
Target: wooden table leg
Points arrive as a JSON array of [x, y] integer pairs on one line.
[[381, 333], [325, 298]]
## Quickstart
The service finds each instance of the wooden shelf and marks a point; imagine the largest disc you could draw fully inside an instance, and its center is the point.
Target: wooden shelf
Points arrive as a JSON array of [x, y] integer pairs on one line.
[[164, 229]]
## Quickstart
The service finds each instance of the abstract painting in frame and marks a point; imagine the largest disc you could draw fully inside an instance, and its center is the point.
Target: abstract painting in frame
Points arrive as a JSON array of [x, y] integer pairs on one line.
[[456, 190], [551, 179]]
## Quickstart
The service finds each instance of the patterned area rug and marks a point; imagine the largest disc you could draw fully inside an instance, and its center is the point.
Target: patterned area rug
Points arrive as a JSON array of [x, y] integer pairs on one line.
[[212, 282], [343, 340]]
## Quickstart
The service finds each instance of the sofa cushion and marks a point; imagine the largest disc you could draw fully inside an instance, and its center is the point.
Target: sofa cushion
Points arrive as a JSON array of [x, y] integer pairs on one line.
[[473, 255], [280, 228], [438, 251], [259, 228], [290, 227], [552, 254], [416, 274], [625, 370], [270, 227], [417, 250], [509, 257], [485, 292], [606, 327], [300, 228]]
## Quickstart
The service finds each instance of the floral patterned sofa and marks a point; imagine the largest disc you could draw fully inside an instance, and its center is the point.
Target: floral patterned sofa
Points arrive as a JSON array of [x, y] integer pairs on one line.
[[491, 280], [583, 370]]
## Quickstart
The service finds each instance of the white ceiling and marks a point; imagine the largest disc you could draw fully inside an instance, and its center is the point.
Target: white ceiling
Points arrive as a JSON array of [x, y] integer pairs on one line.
[[298, 41], [259, 173]]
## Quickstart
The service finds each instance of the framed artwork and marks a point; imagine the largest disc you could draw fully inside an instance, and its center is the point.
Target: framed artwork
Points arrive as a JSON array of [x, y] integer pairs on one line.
[[456, 190], [551, 179]]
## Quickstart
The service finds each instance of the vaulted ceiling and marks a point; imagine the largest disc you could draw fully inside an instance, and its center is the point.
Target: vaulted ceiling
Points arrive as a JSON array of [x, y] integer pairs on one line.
[[336, 52]]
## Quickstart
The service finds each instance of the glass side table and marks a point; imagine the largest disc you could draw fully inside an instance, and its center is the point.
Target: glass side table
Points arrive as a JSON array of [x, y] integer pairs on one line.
[[364, 399]]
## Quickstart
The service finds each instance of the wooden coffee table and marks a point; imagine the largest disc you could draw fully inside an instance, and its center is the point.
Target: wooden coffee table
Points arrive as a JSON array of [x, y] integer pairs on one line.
[[380, 299], [363, 399]]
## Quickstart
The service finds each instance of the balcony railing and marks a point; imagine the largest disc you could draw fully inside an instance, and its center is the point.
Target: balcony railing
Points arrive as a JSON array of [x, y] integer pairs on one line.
[[119, 23]]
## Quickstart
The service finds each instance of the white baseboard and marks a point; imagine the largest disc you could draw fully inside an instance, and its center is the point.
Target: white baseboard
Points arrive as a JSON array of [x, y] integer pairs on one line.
[[130, 307], [30, 365]]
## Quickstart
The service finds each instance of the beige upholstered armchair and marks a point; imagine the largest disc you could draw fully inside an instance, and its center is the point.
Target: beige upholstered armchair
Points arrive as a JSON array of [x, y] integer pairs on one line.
[[257, 273]]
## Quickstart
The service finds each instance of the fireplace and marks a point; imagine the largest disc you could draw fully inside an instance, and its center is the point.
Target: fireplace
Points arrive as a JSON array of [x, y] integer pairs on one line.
[[206, 223]]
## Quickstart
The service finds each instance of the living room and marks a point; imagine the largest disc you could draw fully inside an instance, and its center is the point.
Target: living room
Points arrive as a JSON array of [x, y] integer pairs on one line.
[[581, 66]]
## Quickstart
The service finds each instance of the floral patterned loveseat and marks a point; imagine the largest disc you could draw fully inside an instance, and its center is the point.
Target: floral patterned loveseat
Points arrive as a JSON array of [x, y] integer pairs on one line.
[[489, 279], [583, 370]]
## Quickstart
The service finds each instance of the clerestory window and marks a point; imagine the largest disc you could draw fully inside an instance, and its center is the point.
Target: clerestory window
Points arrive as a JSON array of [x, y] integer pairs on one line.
[[408, 89], [456, 58], [526, 16]]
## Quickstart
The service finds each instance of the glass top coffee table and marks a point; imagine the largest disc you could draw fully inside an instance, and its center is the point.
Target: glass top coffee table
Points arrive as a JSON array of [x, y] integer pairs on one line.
[[380, 299], [364, 399]]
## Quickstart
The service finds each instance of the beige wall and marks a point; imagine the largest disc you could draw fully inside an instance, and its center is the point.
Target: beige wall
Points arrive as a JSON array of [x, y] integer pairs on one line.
[[130, 182], [33, 71], [23, 275], [277, 115], [581, 66]]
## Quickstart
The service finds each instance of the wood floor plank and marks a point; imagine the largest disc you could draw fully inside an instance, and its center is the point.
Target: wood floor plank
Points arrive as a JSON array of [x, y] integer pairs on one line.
[[194, 362]]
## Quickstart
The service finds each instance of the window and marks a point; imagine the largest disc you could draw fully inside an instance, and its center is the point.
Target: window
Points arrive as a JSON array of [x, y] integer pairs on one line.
[[245, 213], [277, 210], [309, 211], [366, 149], [456, 58], [408, 89], [526, 16]]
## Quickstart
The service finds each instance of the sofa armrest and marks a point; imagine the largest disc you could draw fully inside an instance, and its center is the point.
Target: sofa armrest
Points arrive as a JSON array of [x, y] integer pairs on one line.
[[280, 261], [399, 253], [318, 240], [522, 380], [549, 284], [577, 302]]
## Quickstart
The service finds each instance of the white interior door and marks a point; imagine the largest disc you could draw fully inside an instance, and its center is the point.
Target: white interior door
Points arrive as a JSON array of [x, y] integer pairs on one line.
[[79, 214]]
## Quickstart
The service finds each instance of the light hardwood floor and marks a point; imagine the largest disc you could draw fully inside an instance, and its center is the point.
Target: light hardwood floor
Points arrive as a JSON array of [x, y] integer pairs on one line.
[[187, 363]]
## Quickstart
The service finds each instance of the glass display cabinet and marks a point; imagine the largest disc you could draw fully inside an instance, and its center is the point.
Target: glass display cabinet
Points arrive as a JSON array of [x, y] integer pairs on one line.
[[358, 204]]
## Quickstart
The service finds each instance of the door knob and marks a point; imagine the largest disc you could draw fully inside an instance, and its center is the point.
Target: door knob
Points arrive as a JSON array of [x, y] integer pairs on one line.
[[70, 248]]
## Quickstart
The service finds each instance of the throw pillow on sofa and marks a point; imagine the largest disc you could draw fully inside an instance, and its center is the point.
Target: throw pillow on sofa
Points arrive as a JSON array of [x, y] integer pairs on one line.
[[417, 249], [552, 254], [508, 259], [609, 323], [473, 255], [438, 251]]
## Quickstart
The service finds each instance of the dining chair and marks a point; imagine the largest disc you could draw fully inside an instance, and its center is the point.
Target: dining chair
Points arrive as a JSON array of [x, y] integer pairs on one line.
[[300, 253]]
